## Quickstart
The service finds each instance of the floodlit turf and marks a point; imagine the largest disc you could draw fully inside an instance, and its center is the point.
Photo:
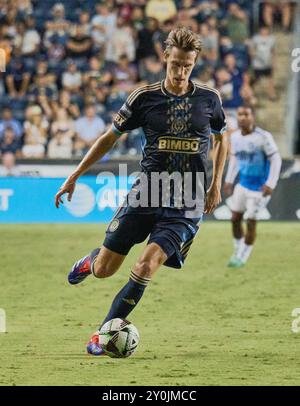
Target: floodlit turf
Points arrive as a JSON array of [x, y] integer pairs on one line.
[[205, 325]]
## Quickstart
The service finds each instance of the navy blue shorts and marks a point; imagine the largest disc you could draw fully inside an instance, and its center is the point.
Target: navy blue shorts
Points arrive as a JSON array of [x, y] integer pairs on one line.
[[165, 226]]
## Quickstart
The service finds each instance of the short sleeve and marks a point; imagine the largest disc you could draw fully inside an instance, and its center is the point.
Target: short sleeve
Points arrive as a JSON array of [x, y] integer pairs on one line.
[[129, 116], [217, 121], [270, 146]]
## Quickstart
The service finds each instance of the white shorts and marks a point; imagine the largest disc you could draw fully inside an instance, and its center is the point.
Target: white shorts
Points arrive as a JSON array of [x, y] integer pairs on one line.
[[250, 201]]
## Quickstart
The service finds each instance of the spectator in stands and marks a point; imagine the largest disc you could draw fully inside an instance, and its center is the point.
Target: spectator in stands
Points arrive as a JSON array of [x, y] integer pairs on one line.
[[230, 90], [160, 37], [207, 9], [8, 121], [121, 42], [55, 54], [88, 128], [72, 78], [79, 45], [65, 101], [84, 22], [237, 24], [137, 18], [11, 19], [17, 40], [31, 39], [57, 28], [263, 58], [188, 9], [42, 93], [185, 18], [98, 69], [58, 22], [62, 134], [8, 160], [17, 77], [24, 8], [36, 133], [152, 70], [205, 76], [233, 69], [63, 123], [124, 75], [284, 7], [161, 10], [242, 78], [105, 18], [98, 35], [145, 43], [10, 143], [9, 151], [124, 9], [95, 93], [210, 41]]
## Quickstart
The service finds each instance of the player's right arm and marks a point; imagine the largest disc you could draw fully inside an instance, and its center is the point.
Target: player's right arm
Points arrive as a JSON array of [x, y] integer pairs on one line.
[[128, 118], [101, 146]]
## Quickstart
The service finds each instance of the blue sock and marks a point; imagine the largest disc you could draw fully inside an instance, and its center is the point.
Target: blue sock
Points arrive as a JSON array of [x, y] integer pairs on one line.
[[127, 298]]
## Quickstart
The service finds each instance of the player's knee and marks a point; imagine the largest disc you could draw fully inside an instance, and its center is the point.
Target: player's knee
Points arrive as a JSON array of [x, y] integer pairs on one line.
[[102, 271], [236, 218], [143, 269]]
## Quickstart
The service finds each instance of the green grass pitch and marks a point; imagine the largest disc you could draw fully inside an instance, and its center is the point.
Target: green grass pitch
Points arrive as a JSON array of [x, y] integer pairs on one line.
[[203, 325]]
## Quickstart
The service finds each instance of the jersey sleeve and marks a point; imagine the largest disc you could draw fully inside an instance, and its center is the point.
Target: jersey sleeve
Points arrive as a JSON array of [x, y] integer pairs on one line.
[[270, 147], [129, 116], [232, 142], [217, 121]]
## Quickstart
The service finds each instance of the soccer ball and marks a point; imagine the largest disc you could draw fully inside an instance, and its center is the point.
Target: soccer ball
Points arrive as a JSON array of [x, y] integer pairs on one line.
[[119, 338]]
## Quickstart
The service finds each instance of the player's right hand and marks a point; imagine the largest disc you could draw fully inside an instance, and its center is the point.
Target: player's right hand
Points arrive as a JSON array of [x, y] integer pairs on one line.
[[67, 187], [228, 189]]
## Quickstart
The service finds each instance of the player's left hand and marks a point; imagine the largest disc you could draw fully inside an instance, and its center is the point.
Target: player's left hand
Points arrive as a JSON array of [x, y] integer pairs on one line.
[[213, 199], [267, 191]]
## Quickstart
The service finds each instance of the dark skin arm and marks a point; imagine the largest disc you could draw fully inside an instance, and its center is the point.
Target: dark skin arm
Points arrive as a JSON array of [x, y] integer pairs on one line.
[[228, 189], [213, 198]]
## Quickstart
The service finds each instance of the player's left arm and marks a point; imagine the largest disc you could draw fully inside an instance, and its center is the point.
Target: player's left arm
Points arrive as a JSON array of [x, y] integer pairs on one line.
[[271, 150], [220, 148]]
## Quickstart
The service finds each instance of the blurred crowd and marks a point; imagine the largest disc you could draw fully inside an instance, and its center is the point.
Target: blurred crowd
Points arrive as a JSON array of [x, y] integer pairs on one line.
[[71, 65]]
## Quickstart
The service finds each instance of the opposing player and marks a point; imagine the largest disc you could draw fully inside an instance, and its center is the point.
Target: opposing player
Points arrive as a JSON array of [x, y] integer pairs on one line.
[[178, 118], [255, 158]]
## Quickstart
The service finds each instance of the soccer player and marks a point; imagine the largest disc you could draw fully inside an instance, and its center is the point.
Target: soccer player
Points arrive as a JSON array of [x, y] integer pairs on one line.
[[178, 117], [255, 158]]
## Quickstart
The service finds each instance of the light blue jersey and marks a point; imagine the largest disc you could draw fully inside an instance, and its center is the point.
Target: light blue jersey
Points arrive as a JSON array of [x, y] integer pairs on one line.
[[252, 152]]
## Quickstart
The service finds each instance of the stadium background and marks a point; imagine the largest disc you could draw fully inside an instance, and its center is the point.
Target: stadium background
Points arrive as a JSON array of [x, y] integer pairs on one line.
[[69, 60], [62, 58]]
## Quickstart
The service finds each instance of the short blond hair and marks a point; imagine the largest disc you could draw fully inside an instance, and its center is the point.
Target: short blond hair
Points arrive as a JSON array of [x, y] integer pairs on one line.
[[184, 39]]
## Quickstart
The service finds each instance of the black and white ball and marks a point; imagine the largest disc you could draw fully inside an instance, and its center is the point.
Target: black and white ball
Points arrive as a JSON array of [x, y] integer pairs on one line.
[[119, 338]]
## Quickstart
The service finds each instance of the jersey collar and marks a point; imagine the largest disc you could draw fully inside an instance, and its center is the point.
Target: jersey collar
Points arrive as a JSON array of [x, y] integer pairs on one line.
[[166, 93]]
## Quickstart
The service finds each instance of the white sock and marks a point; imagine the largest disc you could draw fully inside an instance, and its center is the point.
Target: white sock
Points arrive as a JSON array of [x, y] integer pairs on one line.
[[237, 242], [244, 252]]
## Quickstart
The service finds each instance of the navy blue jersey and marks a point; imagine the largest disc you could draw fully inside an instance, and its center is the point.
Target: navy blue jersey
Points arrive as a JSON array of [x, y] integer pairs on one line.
[[177, 128]]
